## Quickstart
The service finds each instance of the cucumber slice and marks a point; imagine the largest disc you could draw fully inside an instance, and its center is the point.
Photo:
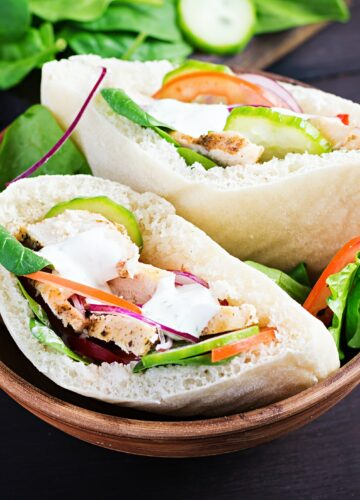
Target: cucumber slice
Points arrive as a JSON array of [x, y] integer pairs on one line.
[[176, 355], [278, 133], [104, 206], [192, 65], [217, 26]]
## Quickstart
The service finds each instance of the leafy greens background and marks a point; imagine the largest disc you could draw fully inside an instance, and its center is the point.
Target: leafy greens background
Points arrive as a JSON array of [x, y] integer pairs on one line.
[[35, 31]]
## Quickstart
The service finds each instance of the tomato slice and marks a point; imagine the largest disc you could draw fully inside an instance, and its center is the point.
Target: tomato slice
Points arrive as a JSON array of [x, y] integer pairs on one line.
[[345, 118], [189, 86], [316, 300], [83, 290], [265, 336]]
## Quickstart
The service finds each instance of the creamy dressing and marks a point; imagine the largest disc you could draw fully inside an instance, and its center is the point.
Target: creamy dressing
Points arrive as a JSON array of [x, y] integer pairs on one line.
[[187, 308], [189, 118], [91, 257]]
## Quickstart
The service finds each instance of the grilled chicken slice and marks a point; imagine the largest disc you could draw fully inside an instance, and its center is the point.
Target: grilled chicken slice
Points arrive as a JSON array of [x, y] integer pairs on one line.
[[231, 318], [58, 301], [130, 334], [225, 148], [341, 136], [66, 225], [141, 287]]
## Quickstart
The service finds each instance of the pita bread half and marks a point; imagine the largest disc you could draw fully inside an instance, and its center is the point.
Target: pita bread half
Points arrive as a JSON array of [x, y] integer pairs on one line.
[[301, 208], [304, 353]]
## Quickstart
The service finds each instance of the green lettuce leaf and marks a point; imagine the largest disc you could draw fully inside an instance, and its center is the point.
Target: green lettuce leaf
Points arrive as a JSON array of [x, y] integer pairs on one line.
[[295, 289], [76, 10], [340, 286], [278, 15], [300, 274], [352, 318], [48, 337], [28, 138]]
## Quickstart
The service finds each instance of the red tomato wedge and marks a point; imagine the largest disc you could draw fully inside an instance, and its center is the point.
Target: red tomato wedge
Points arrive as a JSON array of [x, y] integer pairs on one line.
[[316, 300], [345, 118], [265, 336], [188, 87], [83, 290]]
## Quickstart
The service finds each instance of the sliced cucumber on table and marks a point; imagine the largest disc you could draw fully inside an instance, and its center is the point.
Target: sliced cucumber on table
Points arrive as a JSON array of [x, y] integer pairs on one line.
[[217, 26], [278, 133]]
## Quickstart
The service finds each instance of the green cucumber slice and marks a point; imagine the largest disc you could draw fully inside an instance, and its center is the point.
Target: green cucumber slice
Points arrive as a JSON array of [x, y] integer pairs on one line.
[[104, 206], [278, 133], [217, 26], [192, 157], [192, 65], [173, 356]]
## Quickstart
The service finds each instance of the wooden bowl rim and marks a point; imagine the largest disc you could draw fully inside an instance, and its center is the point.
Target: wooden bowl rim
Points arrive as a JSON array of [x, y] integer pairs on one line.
[[94, 422], [26, 393]]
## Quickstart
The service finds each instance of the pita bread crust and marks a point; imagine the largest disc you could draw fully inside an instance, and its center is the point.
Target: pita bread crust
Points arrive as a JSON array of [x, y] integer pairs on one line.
[[305, 355], [302, 208]]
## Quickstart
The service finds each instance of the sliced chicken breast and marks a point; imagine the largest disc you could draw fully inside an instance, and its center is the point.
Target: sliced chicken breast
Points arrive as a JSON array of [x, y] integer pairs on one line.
[[225, 148], [231, 318], [130, 334]]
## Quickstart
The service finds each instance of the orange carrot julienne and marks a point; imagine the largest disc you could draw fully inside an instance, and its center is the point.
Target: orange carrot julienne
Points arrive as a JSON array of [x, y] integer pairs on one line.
[[265, 336], [83, 290]]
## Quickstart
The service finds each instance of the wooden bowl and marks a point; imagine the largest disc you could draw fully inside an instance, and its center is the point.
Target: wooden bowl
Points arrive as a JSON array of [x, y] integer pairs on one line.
[[141, 433], [130, 431]]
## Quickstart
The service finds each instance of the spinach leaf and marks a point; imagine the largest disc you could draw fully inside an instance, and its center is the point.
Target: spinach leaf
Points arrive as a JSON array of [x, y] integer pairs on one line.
[[48, 337], [114, 44], [158, 22], [28, 138], [278, 15], [36, 308], [300, 274], [14, 19], [121, 103], [352, 317], [76, 10], [296, 290], [18, 259], [17, 59], [192, 157], [340, 285]]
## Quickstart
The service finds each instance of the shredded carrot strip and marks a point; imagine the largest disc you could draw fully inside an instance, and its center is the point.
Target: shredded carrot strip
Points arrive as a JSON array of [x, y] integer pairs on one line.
[[83, 290], [265, 336]]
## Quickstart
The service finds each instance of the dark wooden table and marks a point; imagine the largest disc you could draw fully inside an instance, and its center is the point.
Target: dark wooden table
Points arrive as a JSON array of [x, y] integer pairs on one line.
[[320, 461]]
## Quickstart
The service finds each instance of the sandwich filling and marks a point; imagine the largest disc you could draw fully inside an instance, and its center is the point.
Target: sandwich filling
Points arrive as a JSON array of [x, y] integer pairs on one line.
[[100, 298]]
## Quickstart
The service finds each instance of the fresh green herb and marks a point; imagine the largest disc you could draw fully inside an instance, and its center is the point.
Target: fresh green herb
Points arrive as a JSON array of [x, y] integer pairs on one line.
[[300, 274], [352, 318], [296, 290], [18, 259], [28, 138], [340, 286], [159, 23], [75, 10], [48, 337], [118, 44], [18, 58], [121, 103], [278, 15], [14, 19]]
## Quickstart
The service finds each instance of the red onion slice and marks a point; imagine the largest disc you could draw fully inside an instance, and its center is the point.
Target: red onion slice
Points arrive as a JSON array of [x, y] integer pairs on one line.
[[104, 309], [90, 349], [283, 96], [185, 278], [79, 303], [66, 135]]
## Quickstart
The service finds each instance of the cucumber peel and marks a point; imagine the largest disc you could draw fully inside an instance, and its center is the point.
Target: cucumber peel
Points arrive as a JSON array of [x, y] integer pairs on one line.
[[189, 352], [277, 132], [104, 206], [192, 65], [217, 26]]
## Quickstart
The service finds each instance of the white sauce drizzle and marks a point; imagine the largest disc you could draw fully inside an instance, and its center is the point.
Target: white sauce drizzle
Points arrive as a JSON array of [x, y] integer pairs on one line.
[[187, 308]]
